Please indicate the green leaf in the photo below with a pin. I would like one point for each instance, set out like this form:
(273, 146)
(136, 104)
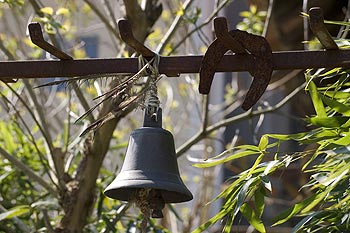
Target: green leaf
(6, 135)
(285, 137)
(211, 221)
(305, 220)
(316, 100)
(259, 201)
(329, 122)
(210, 163)
(266, 182)
(337, 106)
(245, 14)
(252, 218)
(14, 212)
(344, 141)
(270, 166)
(290, 212)
(47, 10)
(243, 193)
(264, 141)
(229, 223)
(62, 11)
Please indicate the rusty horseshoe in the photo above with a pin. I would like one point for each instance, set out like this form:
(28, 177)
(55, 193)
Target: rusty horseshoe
(238, 42)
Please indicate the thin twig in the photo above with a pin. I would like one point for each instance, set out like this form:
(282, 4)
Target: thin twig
(207, 21)
(268, 17)
(103, 19)
(169, 34)
(243, 116)
(29, 136)
(41, 129)
(306, 24)
(28, 171)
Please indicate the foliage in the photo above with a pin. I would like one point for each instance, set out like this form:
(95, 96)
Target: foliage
(326, 208)
(44, 157)
(44, 187)
(253, 20)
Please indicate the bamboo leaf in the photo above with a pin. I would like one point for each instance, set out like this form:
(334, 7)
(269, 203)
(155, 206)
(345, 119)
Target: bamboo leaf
(316, 100)
(329, 122)
(229, 158)
(259, 201)
(266, 182)
(14, 212)
(264, 141)
(211, 221)
(289, 213)
(252, 218)
(305, 220)
(344, 141)
(47, 10)
(336, 105)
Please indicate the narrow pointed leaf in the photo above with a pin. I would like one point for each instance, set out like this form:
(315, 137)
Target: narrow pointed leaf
(15, 212)
(252, 218)
(316, 100)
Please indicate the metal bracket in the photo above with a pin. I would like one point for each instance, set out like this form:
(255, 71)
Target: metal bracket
(239, 42)
(127, 36)
(318, 28)
(36, 36)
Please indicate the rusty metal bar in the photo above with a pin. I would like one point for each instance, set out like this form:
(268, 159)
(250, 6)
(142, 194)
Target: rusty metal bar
(318, 28)
(171, 65)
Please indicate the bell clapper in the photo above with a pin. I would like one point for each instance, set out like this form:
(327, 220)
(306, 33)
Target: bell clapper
(150, 203)
(141, 201)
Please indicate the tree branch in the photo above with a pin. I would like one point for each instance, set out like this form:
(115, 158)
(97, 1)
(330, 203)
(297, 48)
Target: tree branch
(169, 34)
(243, 116)
(207, 21)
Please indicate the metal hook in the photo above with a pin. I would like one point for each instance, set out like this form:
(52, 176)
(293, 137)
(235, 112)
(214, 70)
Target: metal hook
(238, 42)
(36, 36)
(221, 32)
(318, 28)
(127, 36)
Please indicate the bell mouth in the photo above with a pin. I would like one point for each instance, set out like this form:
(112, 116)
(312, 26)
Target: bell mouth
(127, 183)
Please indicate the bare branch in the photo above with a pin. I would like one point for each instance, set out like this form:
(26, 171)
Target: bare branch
(169, 34)
(207, 21)
(243, 116)
(268, 17)
(101, 16)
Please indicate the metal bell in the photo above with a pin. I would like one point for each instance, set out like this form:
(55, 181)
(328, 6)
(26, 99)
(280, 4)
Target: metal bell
(150, 163)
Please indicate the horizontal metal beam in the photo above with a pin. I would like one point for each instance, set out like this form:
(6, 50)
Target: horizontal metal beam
(171, 66)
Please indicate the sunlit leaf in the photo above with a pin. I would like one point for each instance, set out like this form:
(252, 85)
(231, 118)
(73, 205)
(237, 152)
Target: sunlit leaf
(289, 213)
(229, 158)
(62, 11)
(264, 141)
(47, 10)
(259, 202)
(336, 105)
(329, 122)
(15, 212)
(266, 182)
(252, 218)
(305, 220)
(316, 100)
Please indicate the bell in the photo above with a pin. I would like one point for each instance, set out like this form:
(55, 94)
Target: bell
(150, 164)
